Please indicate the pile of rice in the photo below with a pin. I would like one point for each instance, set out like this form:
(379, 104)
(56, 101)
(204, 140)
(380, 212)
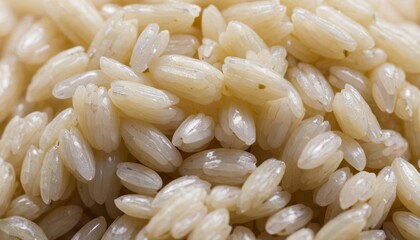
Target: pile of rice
(210, 119)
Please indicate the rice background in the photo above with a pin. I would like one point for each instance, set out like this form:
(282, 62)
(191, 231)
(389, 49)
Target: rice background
(210, 119)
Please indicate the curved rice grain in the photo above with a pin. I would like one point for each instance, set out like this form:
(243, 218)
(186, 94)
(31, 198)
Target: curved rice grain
(241, 233)
(289, 219)
(353, 152)
(182, 44)
(135, 205)
(190, 78)
(124, 227)
(354, 115)
(223, 196)
(63, 120)
(78, 30)
(278, 200)
(358, 188)
(149, 46)
(151, 147)
(8, 19)
(407, 223)
(239, 38)
(76, 154)
(226, 166)
(93, 230)
(56, 69)
(61, 220)
(318, 150)
(212, 23)
(214, 226)
(296, 48)
(195, 133)
(358, 10)
(383, 197)
(106, 182)
(7, 186)
(387, 81)
(302, 234)
(236, 128)
(115, 70)
(12, 82)
(174, 17)
(27, 206)
(30, 173)
(391, 231)
(54, 176)
(349, 223)
(329, 192)
(372, 235)
(115, 39)
(144, 102)
(40, 42)
(95, 111)
(320, 36)
(340, 76)
(22, 228)
(354, 29)
(407, 100)
(408, 179)
(138, 178)
(401, 48)
(211, 52)
(261, 184)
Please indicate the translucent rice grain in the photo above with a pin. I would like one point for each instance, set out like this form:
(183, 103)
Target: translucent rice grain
(354, 29)
(108, 9)
(359, 187)
(353, 152)
(383, 197)
(22, 228)
(321, 36)
(31, 171)
(302, 234)
(359, 10)
(95, 111)
(150, 45)
(194, 134)
(138, 178)
(327, 193)
(135, 205)
(12, 81)
(278, 200)
(83, 191)
(264, 17)
(212, 23)
(115, 39)
(93, 230)
(223, 196)
(210, 51)
(190, 78)
(236, 128)
(340, 76)
(318, 150)
(7, 186)
(79, 30)
(64, 120)
(40, 42)
(8, 19)
(349, 223)
(239, 38)
(20, 29)
(391, 231)
(106, 184)
(56, 69)
(254, 83)
(355, 116)
(60, 220)
(182, 44)
(401, 48)
(407, 223)
(289, 220)
(144, 102)
(27, 206)
(54, 176)
(261, 184)
(242, 233)
(214, 226)
(408, 179)
(115, 70)
(296, 48)
(225, 166)
(406, 101)
(151, 147)
(373, 235)
(124, 227)
(174, 17)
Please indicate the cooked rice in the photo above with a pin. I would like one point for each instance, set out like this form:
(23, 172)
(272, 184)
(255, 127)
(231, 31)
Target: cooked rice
(209, 119)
